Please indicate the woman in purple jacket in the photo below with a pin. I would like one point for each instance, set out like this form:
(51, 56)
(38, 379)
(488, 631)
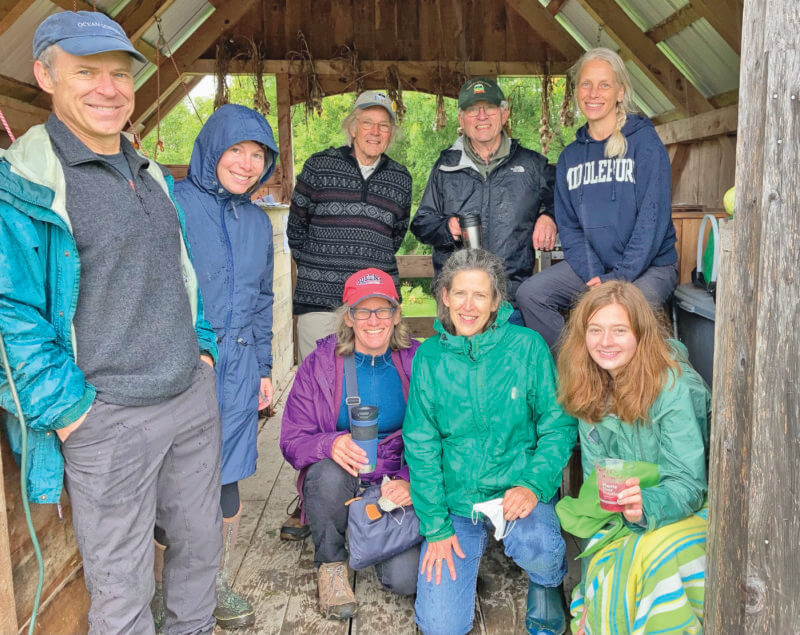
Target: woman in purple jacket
(315, 437)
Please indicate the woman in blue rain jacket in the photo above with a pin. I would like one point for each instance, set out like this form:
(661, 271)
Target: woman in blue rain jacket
(231, 244)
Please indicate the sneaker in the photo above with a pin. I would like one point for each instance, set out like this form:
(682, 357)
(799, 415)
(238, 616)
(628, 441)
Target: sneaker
(292, 529)
(336, 597)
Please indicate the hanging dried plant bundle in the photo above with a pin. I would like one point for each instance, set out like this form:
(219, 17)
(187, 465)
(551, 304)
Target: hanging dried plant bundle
(309, 80)
(567, 113)
(546, 133)
(260, 101)
(440, 118)
(224, 55)
(394, 91)
(514, 100)
(348, 53)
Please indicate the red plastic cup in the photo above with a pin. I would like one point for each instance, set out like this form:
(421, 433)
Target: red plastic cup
(611, 477)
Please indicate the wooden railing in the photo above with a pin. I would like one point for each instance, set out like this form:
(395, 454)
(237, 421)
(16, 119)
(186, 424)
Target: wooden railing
(417, 267)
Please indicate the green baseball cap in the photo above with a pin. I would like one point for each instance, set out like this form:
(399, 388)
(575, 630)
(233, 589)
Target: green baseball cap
(479, 89)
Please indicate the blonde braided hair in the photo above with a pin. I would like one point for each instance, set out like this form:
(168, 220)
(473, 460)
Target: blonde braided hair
(617, 144)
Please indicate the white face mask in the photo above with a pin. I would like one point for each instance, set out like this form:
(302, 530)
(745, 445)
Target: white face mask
(493, 510)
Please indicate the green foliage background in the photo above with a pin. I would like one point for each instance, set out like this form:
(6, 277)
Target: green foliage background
(417, 145)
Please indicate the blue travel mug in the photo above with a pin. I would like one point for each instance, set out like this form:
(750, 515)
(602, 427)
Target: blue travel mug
(364, 430)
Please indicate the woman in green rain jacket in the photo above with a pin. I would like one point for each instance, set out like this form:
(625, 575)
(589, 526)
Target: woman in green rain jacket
(483, 427)
(637, 398)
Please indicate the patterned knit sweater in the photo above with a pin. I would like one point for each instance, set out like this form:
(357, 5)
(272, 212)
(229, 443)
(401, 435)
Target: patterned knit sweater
(340, 223)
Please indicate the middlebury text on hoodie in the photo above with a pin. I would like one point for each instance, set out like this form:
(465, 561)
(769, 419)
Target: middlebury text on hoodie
(614, 216)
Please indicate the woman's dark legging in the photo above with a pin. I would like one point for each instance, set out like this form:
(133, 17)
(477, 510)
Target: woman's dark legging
(229, 499)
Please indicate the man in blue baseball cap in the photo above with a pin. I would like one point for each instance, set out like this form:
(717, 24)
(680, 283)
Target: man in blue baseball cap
(103, 322)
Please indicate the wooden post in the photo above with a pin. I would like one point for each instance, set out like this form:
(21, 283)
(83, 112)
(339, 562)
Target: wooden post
(8, 611)
(285, 134)
(754, 563)
(287, 164)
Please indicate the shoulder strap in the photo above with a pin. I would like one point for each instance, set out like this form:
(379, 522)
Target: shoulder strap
(351, 382)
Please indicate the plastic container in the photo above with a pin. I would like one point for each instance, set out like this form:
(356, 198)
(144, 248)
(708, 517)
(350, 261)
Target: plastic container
(695, 314)
(611, 477)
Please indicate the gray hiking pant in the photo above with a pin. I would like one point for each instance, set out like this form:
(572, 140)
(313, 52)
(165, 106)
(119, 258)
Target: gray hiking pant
(128, 467)
(542, 295)
(325, 490)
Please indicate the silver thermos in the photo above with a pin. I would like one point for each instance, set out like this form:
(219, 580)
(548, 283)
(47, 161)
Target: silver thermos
(471, 230)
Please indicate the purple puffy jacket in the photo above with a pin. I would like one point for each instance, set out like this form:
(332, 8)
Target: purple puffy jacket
(308, 426)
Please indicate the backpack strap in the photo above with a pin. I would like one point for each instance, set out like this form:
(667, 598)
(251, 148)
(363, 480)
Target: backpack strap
(351, 382)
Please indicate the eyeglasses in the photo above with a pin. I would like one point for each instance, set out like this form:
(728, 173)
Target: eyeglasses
(488, 110)
(367, 125)
(384, 313)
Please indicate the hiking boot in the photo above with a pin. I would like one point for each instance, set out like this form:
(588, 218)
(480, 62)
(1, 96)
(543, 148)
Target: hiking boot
(545, 614)
(292, 529)
(158, 608)
(336, 597)
(232, 610)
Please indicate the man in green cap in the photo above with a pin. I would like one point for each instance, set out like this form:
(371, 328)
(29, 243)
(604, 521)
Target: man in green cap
(488, 174)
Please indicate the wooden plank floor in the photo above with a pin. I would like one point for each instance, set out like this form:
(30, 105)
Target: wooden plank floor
(280, 580)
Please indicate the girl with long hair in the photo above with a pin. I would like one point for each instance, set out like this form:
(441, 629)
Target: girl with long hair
(612, 202)
(636, 398)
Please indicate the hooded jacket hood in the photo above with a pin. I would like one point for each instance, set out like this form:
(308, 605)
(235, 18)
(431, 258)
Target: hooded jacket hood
(228, 125)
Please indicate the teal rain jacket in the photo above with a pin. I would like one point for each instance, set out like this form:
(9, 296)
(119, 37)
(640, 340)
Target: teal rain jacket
(675, 438)
(482, 418)
(39, 280)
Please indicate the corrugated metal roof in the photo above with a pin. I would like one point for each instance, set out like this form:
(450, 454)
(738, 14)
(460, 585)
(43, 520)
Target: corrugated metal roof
(647, 13)
(698, 51)
(178, 23)
(704, 57)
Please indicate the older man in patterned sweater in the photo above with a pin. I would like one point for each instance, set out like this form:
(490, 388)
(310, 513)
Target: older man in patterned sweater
(350, 211)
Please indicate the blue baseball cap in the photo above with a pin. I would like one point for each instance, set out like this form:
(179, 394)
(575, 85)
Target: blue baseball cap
(82, 33)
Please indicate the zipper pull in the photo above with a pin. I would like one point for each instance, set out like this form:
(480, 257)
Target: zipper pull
(60, 514)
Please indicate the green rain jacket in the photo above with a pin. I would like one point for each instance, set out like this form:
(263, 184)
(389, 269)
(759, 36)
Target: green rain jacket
(482, 418)
(675, 439)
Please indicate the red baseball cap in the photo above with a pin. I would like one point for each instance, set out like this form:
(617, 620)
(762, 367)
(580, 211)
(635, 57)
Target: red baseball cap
(369, 283)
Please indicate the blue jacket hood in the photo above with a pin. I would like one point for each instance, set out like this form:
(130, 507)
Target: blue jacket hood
(228, 125)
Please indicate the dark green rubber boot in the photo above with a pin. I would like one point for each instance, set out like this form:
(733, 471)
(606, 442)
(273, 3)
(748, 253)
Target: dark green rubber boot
(545, 615)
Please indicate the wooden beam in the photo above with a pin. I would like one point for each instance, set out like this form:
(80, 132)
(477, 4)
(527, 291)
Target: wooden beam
(637, 47)
(140, 15)
(68, 5)
(546, 27)
(673, 24)
(168, 102)
(10, 11)
(8, 612)
(725, 99)
(285, 135)
(224, 18)
(412, 69)
(709, 124)
(753, 575)
(677, 160)
(22, 115)
(415, 266)
(16, 89)
(726, 18)
(555, 6)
